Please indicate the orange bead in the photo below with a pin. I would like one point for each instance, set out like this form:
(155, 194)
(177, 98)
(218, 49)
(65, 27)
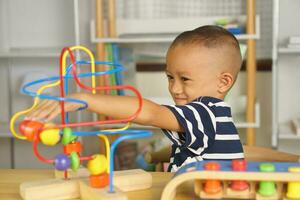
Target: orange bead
(213, 166)
(72, 147)
(99, 181)
(212, 186)
(30, 129)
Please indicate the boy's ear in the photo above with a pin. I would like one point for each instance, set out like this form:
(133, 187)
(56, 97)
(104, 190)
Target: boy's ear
(226, 80)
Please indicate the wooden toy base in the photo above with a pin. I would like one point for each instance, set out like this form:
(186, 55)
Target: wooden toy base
(89, 193)
(78, 187)
(50, 189)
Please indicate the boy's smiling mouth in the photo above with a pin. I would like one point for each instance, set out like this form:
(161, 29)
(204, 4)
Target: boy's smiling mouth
(180, 100)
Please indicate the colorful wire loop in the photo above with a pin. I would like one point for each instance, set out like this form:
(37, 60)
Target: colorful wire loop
(70, 73)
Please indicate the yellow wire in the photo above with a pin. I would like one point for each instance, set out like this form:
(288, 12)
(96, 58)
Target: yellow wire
(106, 142)
(107, 145)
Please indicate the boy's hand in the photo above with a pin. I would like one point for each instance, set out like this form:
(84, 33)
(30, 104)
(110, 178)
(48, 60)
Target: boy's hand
(47, 110)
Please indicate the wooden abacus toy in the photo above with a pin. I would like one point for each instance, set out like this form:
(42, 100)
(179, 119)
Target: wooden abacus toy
(99, 181)
(239, 179)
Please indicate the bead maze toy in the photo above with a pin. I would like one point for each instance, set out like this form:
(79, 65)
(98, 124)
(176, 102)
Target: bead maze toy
(99, 181)
(238, 179)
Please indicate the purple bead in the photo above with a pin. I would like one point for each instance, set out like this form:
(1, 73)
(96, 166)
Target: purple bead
(62, 162)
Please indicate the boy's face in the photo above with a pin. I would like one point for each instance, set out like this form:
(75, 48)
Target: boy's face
(192, 72)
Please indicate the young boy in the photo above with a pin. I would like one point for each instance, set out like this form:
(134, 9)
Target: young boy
(202, 65)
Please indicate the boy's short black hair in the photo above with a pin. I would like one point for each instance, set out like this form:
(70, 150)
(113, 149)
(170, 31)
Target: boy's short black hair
(210, 36)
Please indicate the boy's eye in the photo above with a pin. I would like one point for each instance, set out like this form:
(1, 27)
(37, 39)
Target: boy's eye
(185, 79)
(169, 77)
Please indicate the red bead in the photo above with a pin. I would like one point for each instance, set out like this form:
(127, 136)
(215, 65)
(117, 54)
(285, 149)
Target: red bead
(239, 185)
(23, 126)
(239, 165)
(30, 129)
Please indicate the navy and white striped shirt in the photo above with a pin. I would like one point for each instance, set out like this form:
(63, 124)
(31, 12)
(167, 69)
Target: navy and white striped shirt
(209, 133)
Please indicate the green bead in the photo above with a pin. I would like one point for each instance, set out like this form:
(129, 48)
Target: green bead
(75, 161)
(68, 136)
(267, 167)
(267, 188)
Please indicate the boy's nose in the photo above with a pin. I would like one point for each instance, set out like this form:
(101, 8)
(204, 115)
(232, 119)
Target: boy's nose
(176, 88)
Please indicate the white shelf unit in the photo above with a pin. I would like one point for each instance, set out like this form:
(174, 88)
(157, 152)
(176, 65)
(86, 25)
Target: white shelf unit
(163, 30)
(21, 41)
(20, 36)
(286, 71)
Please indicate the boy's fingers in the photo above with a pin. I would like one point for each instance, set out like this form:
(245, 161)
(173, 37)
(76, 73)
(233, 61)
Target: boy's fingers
(53, 114)
(33, 112)
(41, 110)
(45, 110)
(69, 107)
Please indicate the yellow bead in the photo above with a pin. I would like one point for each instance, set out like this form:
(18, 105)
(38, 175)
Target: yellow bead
(97, 165)
(51, 136)
(293, 188)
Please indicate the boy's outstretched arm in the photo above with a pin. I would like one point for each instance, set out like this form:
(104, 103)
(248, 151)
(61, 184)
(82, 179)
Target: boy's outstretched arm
(117, 107)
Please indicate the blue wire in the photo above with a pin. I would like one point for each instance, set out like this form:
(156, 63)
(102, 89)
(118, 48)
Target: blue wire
(119, 77)
(43, 96)
(66, 89)
(141, 134)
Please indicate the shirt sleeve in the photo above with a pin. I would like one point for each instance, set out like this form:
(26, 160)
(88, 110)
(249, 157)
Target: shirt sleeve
(198, 123)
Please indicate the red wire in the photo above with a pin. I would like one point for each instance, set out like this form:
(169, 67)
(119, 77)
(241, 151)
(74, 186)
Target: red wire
(86, 158)
(37, 154)
(62, 93)
(66, 174)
